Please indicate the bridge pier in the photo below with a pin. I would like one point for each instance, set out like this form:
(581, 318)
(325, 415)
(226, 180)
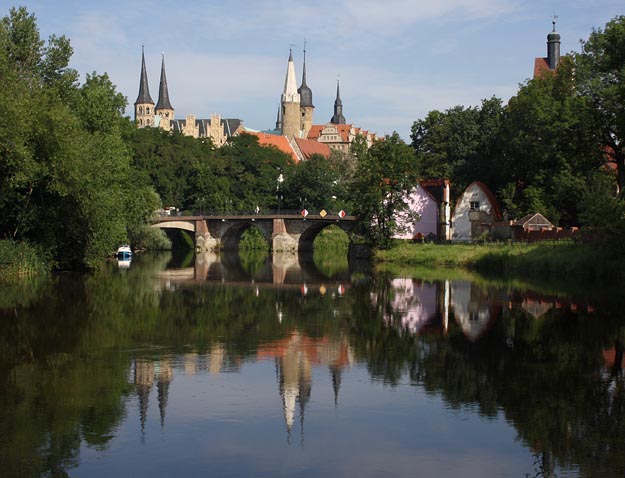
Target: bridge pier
(203, 240)
(281, 240)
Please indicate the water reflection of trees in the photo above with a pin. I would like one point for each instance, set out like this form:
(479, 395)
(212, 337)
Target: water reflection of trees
(547, 376)
(535, 359)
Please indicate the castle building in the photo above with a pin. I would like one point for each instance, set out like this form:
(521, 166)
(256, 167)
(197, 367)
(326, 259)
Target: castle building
(294, 120)
(551, 62)
(161, 115)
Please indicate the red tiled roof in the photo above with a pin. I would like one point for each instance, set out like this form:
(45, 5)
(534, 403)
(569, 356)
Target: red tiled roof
(279, 142)
(540, 67)
(309, 147)
(315, 131)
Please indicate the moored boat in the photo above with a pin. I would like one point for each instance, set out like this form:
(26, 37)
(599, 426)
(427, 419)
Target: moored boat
(124, 253)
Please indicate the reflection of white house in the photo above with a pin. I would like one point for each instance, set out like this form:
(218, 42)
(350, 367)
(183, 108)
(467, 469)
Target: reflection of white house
(473, 309)
(429, 201)
(414, 306)
(475, 214)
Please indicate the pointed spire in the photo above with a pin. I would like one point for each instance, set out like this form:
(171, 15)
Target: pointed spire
(279, 119)
(144, 90)
(304, 91)
(163, 92)
(338, 117)
(290, 86)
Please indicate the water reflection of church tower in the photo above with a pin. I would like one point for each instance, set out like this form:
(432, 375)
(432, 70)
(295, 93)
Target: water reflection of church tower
(294, 371)
(164, 376)
(143, 379)
(145, 373)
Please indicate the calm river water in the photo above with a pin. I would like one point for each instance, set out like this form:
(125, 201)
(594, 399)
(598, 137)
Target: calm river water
(216, 366)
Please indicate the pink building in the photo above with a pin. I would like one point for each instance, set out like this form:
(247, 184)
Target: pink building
(429, 212)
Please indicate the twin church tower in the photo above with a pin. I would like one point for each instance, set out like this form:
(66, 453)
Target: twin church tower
(295, 115)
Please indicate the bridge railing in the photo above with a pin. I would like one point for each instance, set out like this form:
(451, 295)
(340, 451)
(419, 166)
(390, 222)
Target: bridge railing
(262, 212)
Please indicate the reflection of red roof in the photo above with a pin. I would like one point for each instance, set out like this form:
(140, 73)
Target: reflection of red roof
(280, 142)
(309, 147)
(609, 357)
(312, 348)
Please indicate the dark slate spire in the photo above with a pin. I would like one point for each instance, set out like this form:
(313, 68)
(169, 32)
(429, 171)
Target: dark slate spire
(279, 119)
(553, 47)
(144, 90)
(338, 117)
(163, 92)
(304, 91)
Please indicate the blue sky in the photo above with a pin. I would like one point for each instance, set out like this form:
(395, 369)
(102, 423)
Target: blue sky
(396, 59)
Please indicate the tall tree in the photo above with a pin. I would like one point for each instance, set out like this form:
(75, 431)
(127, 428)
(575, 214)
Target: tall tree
(460, 144)
(550, 146)
(384, 175)
(600, 76)
(64, 170)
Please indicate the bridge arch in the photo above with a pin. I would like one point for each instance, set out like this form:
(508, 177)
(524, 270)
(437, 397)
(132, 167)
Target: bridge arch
(231, 235)
(184, 225)
(308, 236)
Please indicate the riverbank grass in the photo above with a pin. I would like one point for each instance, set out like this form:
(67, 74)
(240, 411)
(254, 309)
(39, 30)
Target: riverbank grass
(572, 260)
(21, 259)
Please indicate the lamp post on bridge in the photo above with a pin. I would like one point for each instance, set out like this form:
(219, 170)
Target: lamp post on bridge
(280, 180)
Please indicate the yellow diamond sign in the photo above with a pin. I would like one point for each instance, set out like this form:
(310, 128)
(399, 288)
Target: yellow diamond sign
(323, 213)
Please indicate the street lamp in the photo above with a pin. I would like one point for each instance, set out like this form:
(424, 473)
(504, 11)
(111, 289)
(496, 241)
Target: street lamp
(278, 193)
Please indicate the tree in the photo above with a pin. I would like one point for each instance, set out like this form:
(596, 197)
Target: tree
(550, 146)
(600, 77)
(314, 184)
(65, 176)
(460, 144)
(384, 175)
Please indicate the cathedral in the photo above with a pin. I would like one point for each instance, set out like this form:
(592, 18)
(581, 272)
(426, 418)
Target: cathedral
(294, 122)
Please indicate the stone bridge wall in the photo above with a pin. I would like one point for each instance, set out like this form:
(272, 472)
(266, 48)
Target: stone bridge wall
(284, 234)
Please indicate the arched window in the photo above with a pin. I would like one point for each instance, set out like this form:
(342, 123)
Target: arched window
(147, 110)
(140, 110)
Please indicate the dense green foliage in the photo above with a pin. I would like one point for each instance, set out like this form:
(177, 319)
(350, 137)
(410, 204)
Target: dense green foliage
(65, 176)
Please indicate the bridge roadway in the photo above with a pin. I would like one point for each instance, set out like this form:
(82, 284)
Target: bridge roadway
(283, 232)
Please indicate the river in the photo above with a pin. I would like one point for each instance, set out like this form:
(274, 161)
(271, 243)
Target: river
(222, 366)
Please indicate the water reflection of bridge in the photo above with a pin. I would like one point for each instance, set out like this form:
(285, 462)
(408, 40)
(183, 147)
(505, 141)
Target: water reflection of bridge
(284, 270)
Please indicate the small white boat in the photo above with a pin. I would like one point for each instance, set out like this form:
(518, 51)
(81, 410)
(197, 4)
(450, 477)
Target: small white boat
(124, 253)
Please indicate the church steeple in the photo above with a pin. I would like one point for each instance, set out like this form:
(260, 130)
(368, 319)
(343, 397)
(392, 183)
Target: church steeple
(144, 106)
(338, 117)
(553, 46)
(290, 102)
(279, 119)
(144, 89)
(304, 91)
(306, 102)
(163, 92)
(164, 108)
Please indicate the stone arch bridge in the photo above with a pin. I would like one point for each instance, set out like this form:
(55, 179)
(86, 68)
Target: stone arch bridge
(283, 232)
